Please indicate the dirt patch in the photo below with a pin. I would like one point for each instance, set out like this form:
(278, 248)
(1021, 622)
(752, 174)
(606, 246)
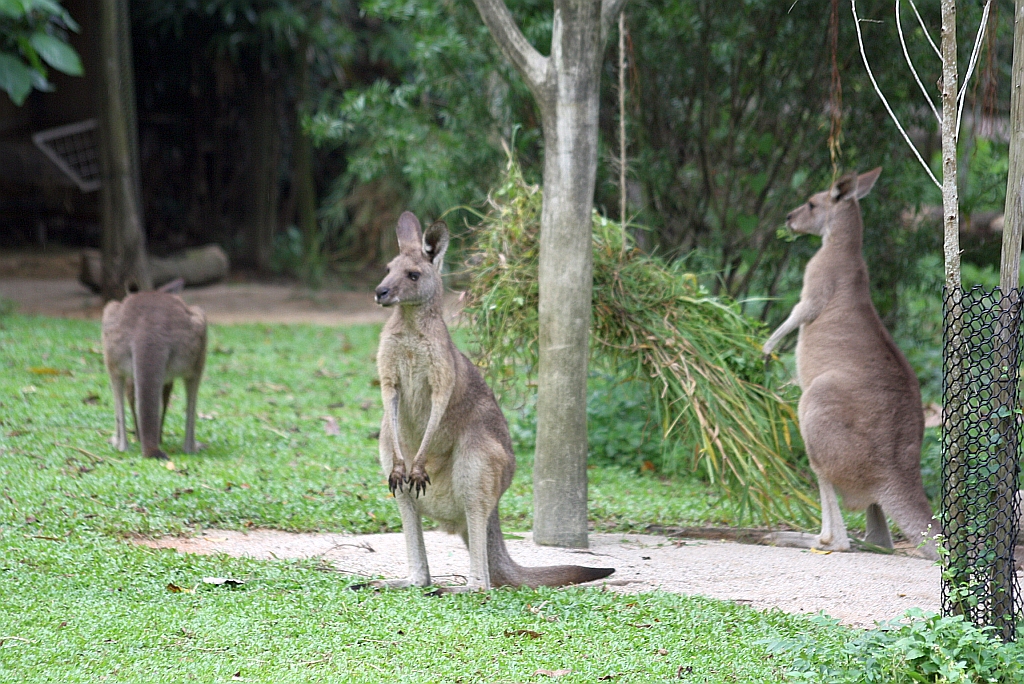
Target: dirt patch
(857, 588)
(224, 303)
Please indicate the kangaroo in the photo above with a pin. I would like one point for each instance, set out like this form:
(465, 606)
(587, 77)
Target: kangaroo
(860, 412)
(149, 339)
(444, 442)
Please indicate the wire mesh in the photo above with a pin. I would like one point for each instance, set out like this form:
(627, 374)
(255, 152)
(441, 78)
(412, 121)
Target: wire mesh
(980, 457)
(75, 150)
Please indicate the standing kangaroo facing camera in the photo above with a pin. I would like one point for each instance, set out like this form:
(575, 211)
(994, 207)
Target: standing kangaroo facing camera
(149, 339)
(860, 411)
(444, 443)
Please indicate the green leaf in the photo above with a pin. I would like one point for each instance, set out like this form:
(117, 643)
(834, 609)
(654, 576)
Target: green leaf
(57, 53)
(15, 78)
(12, 8)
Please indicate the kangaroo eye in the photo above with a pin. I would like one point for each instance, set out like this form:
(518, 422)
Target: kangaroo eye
(414, 276)
(811, 205)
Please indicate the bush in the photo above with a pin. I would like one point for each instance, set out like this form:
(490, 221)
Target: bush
(924, 648)
(697, 356)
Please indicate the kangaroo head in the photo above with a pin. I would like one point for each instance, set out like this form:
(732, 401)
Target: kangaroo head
(414, 276)
(816, 215)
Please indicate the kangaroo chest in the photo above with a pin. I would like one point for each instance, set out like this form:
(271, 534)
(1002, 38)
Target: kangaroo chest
(414, 362)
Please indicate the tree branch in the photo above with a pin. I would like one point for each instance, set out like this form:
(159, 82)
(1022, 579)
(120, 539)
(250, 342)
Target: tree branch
(609, 13)
(530, 64)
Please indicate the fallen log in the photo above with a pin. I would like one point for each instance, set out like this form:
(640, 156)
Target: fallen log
(197, 266)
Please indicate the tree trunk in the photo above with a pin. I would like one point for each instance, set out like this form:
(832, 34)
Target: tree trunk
(1013, 213)
(950, 195)
(123, 241)
(265, 186)
(304, 186)
(565, 277)
(566, 87)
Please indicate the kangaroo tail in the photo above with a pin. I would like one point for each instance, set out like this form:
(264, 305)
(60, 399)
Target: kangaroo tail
(912, 513)
(506, 572)
(149, 365)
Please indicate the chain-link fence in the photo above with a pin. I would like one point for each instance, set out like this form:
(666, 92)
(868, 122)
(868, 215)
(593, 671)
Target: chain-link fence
(980, 457)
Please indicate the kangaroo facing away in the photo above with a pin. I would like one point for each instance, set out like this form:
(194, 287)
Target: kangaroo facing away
(444, 442)
(860, 410)
(149, 339)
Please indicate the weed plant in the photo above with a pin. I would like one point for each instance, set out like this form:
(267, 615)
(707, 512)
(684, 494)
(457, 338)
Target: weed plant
(652, 322)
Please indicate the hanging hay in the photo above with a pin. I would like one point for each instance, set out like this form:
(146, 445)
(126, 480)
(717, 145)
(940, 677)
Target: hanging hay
(652, 322)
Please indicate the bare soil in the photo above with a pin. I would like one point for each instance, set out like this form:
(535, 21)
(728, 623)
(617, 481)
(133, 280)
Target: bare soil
(856, 588)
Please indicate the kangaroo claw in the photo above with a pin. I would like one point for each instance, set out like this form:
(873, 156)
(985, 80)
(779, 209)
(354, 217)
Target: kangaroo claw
(418, 482)
(396, 480)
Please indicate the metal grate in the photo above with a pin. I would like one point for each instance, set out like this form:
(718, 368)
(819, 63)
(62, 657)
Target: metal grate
(980, 457)
(75, 150)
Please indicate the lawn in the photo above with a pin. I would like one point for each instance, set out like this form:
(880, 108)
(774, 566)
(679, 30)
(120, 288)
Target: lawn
(81, 603)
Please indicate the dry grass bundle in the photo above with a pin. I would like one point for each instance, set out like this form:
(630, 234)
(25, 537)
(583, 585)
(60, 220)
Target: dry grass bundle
(698, 354)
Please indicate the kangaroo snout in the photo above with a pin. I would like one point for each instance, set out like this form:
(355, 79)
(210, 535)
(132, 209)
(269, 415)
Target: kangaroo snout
(382, 295)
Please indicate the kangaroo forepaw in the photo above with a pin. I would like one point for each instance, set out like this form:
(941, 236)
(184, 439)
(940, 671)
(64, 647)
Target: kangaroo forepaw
(418, 482)
(396, 480)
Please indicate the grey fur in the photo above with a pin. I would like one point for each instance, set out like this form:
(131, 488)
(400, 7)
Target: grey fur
(149, 339)
(860, 412)
(444, 442)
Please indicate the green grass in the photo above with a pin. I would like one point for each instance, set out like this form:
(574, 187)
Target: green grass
(85, 603)
(268, 461)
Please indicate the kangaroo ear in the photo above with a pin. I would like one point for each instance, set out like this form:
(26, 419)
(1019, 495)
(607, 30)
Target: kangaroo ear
(866, 181)
(435, 243)
(408, 232)
(845, 188)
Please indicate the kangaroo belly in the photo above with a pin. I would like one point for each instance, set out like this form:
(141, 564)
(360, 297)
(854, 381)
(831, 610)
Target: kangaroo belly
(440, 502)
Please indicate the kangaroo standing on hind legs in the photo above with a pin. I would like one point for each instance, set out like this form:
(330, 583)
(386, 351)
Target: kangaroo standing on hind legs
(860, 411)
(149, 339)
(444, 443)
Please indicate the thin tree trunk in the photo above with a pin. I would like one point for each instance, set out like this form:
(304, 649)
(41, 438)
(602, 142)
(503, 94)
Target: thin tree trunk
(566, 87)
(1005, 529)
(123, 240)
(1009, 268)
(302, 173)
(265, 186)
(950, 196)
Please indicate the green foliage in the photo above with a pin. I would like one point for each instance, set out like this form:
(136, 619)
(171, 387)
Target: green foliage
(434, 121)
(34, 36)
(923, 648)
(652, 322)
(620, 429)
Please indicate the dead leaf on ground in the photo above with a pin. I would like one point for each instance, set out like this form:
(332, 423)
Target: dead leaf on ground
(336, 405)
(237, 677)
(553, 673)
(523, 632)
(169, 465)
(366, 405)
(331, 426)
(820, 552)
(223, 581)
(609, 677)
(212, 415)
(175, 589)
(91, 399)
(47, 370)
